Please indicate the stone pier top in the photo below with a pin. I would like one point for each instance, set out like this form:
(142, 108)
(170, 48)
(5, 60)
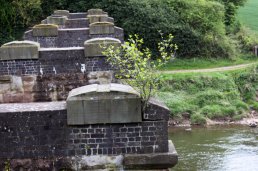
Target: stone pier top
(32, 107)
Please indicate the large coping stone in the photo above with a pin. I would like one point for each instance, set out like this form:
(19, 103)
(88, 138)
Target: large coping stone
(56, 19)
(19, 50)
(97, 18)
(45, 30)
(62, 12)
(95, 12)
(94, 47)
(152, 160)
(102, 28)
(106, 103)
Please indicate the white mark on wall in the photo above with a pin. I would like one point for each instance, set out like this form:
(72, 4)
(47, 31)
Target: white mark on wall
(83, 68)
(54, 69)
(41, 71)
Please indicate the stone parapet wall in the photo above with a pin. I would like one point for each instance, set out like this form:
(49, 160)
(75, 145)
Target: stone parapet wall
(77, 23)
(40, 130)
(71, 37)
(77, 15)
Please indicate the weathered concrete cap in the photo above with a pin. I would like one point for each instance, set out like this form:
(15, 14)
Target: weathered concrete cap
(96, 12)
(109, 103)
(94, 47)
(19, 50)
(45, 30)
(110, 19)
(62, 12)
(98, 18)
(56, 19)
(102, 28)
(44, 21)
(100, 88)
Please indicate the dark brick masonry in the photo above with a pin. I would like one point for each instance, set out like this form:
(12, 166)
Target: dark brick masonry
(71, 37)
(44, 133)
(55, 62)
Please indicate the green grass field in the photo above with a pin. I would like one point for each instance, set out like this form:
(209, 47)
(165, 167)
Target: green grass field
(248, 15)
(202, 63)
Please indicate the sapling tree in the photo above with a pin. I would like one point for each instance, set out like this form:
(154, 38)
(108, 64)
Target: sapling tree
(135, 66)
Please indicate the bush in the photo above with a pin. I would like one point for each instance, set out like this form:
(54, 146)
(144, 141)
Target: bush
(15, 16)
(247, 39)
(211, 95)
(238, 117)
(198, 119)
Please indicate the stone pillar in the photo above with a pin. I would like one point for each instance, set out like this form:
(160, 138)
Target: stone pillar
(97, 18)
(45, 30)
(96, 12)
(94, 47)
(19, 50)
(102, 28)
(56, 19)
(62, 12)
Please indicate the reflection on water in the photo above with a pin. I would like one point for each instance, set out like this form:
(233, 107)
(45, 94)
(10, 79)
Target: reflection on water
(216, 149)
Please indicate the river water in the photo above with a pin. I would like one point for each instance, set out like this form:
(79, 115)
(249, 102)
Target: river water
(216, 149)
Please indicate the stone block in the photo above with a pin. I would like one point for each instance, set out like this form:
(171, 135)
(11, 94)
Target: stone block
(45, 30)
(111, 20)
(17, 84)
(94, 47)
(102, 28)
(5, 79)
(28, 86)
(19, 50)
(29, 78)
(5, 87)
(96, 12)
(13, 97)
(27, 97)
(1, 98)
(97, 18)
(109, 103)
(58, 20)
(44, 21)
(100, 77)
(62, 12)
(152, 160)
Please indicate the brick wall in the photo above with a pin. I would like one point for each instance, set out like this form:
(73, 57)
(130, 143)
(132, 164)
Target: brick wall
(41, 131)
(55, 62)
(71, 37)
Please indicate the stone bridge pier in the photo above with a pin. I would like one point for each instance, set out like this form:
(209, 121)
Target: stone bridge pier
(62, 109)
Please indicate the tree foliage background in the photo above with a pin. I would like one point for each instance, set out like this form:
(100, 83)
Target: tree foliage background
(201, 27)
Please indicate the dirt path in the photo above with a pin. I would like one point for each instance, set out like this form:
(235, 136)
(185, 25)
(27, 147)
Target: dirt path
(228, 68)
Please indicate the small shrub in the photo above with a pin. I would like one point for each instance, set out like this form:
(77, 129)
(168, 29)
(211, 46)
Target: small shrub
(247, 39)
(229, 111)
(238, 117)
(241, 105)
(198, 119)
(208, 97)
(254, 105)
(218, 111)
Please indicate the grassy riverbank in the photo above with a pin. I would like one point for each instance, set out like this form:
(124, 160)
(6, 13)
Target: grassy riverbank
(219, 95)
